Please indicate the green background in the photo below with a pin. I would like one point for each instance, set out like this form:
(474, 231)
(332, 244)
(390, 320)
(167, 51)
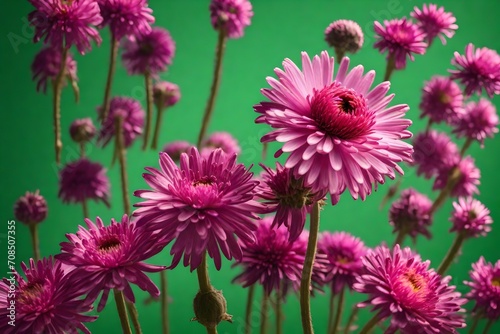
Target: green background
(280, 29)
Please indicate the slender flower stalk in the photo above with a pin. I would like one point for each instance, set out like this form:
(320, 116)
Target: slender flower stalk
(351, 319)
(120, 149)
(85, 209)
(165, 95)
(205, 285)
(454, 176)
(134, 315)
(122, 313)
(452, 253)
(475, 322)
(338, 312)
(248, 311)
(466, 146)
(331, 312)
(57, 90)
(390, 67)
(109, 81)
(148, 81)
(488, 326)
(264, 313)
(279, 314)
(35, 241)
(370, 324)
(164, 302)
(159, 113)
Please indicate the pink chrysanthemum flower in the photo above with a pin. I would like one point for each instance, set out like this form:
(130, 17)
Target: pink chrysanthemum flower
(343, 252)
(435, 22)
(401, 38)
(345, 36)
(467, 181)
(479, 121)
(126, 17)
(31, 208)
(176, 148)
(149, 52)
(477, 70)
(203, 205)
(272, 260)
(66, 23)
(410, 213)
(82, 130)
(485, 288)
(222, 140)
(111, 257)
(231, 15)
(46, 67)
(288, 197)
(166, 94)
(83, 180)
(470, 217)
(48, 301)
(133, 120)
(339, 133)
(401, 286)
(434, 151)
(442, 100)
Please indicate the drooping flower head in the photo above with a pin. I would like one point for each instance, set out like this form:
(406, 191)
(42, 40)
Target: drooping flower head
(485, 288)
(166, 94)
(64, 23)
(288, 197)
(126, 17)
(148, 52)
(442, 100)
(470, 217)
(410, 213)
(401, 38)
(465, 177)
(49, 300)
(133, 120)
(343, 252)
(31, 208)
(203, 205)
(339, 133)
(345, 36)
(111, 257)
(401, 286)
(231, 16)
(477, 70)
(46, 67)
(176, 148)
(82, 130)
(222, 140)
(83, 180)
(479, 121)
(435, 22)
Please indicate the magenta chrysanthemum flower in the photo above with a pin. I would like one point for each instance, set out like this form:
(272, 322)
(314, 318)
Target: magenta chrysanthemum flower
(46, 67)
(83, 180)
(442, 100)
(343, 252)
(468, 176)
(232, 16)
(176, 148)
(31, 208)
(435, 22)
(410, 213)
(477, 70)
(133, 120)
(111, 257)
(344, 36)
(126, 17)
(222, 140)
(339, 133)
(288, 197)
(479, 121)
(48, 301)
(272, 260)
(149, 52)
(63, 24)
(485, 288)
(434, 151)
(470, 217)
(82, 130)
(401, 286)
(201, 206)
(401, 38)
(166, 94)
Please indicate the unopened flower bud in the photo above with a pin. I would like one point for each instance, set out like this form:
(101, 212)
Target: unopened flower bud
(210, 308)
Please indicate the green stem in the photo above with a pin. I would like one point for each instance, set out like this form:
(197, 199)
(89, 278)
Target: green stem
(122, 312)
(453, 178)
(338, 312)
(156, 135)
(164, 302)
(35, 241)
(354, 312)
(263, 313)
(85, 209)
(57, 89)
(134, 315)
(82, 149)
(279, 315)
(148, 81)
(401, 236)
(488, 326)
(205, 285)
(370, 324)
(465, 147)
(120, 149)
(109, 80)
(331, 312)
(251, 291)
(452, 253)
(474, 324)
(391, 65)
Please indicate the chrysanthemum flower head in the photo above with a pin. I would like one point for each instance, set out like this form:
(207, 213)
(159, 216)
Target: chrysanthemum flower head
(83, 180)
(49, 300)
(133, 120)
(345, 36)
(339, 133)
(176, 148)
(470, 217)
(401, 38)
(63, 24)
(111, 257)
(82, 130)
(477, 70)
(31, 208)
(401, 286)
(222, 140)
(485, 288)
(126, 17)
(465, 176)
(148, 52)
(47, 64)
(435, 22)
(479, 121)
(231, 16)
(410, 213)
(166, 94)
(203, 205)
(442, 100)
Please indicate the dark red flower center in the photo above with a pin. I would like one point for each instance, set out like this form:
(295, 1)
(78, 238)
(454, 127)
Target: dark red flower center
(444, 98)
(495, 281)
(109, 243)
(31, 292)
(146, 48)
(413, 281)
(204, 181)
(341, 112)
(472, 215)
(343, 259)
